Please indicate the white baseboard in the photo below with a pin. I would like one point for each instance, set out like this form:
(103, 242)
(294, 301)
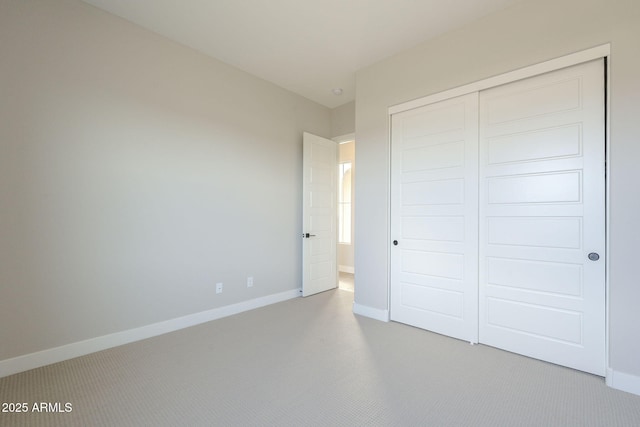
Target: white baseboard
(81, 348)
(622, 381)
(374, 313)
(346, 269)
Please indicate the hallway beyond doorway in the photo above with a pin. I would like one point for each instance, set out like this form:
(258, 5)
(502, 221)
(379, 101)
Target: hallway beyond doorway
(346, 282)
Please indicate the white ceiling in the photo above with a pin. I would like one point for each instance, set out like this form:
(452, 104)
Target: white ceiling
(306, 46)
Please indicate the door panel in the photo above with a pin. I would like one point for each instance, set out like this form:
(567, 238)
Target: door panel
(434, 217)
(541, 214)
(319, 213)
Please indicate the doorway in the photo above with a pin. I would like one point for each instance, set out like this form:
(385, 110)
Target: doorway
(346, 197)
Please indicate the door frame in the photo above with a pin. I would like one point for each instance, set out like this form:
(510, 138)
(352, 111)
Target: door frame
(598, 52)
(348, 137)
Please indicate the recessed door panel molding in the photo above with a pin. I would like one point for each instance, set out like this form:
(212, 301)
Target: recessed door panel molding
(322, 155)
(539, 293)
(439, 192)
(445, 265)
(537, 232)
(322, 199)
(320, 223)
(548, 187)
(433, 228)
(545, 277)
(446, 118)
(434, 265)
(434, 301)
(538, 321)
(320, 270)
(536, 145)
(533, 101)
(440, 156)
(321, 175)
(320, 247)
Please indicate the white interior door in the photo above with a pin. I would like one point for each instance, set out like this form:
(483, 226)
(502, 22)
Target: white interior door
(542, 207)
(434, 217)
(319, 215)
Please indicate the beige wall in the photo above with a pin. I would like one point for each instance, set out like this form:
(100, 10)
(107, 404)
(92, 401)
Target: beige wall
(529, 32)
(343, 119)
(135, 174)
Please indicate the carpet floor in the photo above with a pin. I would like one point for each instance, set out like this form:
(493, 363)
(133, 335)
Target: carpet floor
(311, 362)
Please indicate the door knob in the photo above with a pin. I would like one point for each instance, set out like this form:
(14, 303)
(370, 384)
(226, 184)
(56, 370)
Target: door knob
(395, 243)
(307, 235)
(594, 256)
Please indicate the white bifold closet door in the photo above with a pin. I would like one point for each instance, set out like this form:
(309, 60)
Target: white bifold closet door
(497, 208)
(542, 213)
(434, 204)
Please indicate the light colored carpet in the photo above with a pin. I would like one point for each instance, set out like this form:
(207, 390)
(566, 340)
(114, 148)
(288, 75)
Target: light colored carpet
(312, 362)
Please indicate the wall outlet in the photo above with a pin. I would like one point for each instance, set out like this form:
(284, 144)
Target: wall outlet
(249, 282)
(219, 288)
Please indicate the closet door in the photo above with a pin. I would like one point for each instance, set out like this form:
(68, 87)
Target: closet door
(542, 207)
(434, 217)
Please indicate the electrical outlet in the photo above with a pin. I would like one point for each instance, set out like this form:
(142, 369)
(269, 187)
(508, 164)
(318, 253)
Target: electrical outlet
(219, 288)
(249, 282)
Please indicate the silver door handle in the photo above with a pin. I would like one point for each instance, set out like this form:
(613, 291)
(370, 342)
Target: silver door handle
(307, 235)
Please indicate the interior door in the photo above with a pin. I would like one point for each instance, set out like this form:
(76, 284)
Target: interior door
(319, 215)
(542, 224)
(434, 217)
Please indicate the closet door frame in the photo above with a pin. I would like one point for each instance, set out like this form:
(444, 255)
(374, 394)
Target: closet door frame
(598, 52)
